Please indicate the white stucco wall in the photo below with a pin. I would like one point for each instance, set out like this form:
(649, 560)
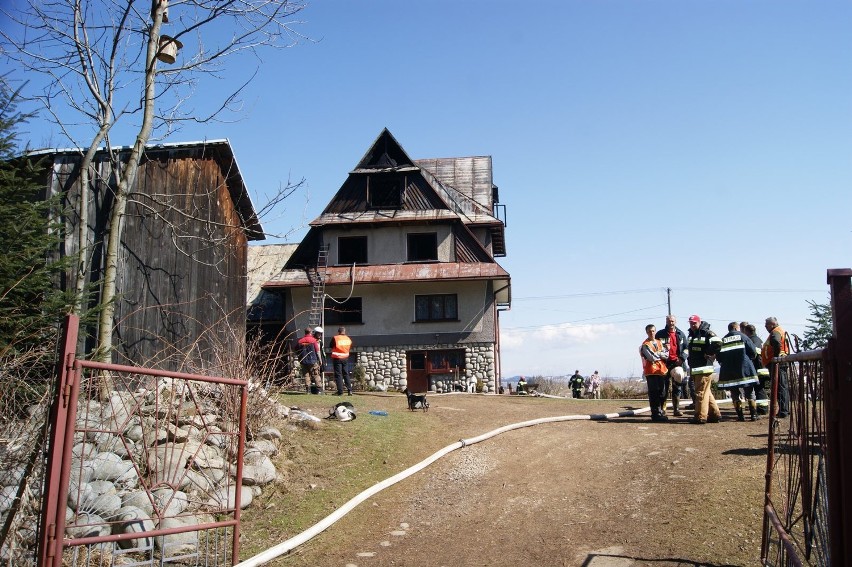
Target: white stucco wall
(388, 309)
(389, 245)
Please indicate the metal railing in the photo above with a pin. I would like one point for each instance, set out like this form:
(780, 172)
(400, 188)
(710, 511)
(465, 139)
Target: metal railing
(808, 506)
(138, 466)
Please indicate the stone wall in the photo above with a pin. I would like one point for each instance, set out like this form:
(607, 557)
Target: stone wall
(385, 367)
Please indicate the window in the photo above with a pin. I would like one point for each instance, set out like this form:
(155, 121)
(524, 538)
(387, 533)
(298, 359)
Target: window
(416, 360)
(345, 313)
(422, 246)
(442, 307)
(384, 192)
(352, 250)
(445, 360)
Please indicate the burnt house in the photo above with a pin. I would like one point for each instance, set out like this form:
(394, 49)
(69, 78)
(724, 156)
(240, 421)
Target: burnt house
(403, 256)
(181, 282)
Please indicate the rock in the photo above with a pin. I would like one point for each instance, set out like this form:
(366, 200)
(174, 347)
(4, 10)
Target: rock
(257, 468)
(138, 499)
(7, 497)
(109, 466)
(84, 450)
(100, 498)
(199, 482)
(131, 519)
(269, 433)
(181, 543)
(170, 502)
(224, 498)
(265, 446)
(87, 525)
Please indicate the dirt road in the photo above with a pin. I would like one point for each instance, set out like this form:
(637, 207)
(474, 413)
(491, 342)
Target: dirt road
(621, 492)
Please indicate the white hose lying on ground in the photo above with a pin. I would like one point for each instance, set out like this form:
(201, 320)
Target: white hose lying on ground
(328, 521)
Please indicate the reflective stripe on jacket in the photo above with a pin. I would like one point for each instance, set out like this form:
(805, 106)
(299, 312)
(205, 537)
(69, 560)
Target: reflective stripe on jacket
(342, 344)
(735, 358)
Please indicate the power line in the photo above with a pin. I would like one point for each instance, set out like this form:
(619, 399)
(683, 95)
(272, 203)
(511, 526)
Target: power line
(592, 319)
(665, 290)
(588, 294)
(750, 290)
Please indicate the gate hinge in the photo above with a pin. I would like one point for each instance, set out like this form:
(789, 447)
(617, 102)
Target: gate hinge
(51, 539)
(69, 378)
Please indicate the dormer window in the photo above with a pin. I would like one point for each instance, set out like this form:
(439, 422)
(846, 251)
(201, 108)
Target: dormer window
(384, 191)
(422, 246)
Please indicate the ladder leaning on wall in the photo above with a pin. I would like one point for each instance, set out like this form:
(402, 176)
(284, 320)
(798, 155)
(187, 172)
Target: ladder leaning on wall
(318, 277)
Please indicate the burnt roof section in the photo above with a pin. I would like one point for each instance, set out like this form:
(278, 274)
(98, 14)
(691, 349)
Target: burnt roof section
(417, 194)
(385, 154)
(421, 188)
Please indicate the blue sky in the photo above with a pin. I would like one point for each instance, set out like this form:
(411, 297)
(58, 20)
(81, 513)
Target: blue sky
(638, 145)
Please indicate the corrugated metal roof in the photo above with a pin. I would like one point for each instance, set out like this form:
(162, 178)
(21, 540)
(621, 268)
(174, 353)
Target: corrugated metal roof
(263, 263)
(384, 216)
(470, 175)
(393, 273)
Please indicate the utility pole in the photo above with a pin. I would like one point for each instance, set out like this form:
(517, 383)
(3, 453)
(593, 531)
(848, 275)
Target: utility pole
(669, 299)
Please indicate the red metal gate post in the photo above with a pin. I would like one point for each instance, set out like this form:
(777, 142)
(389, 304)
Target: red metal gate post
(52, 523)
(838, 400)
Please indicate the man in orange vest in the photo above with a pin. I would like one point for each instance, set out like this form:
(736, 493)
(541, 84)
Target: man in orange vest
(340, 346)
(655, 371)
(776, 346)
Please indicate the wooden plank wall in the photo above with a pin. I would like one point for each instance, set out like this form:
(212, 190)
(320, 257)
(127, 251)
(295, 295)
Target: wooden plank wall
(182, 279)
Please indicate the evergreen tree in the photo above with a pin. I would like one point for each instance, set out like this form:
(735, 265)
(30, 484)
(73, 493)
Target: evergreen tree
(820, 328)
(31, 300)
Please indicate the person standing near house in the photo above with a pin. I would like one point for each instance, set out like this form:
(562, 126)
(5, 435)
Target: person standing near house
(776, 346)
(674, 341)
(340, 345)
(654, 369)
(703, 344)
(761, 398)
(576, 382)
(309, 360)
(737, 373)
(596, 386)
(522, 386)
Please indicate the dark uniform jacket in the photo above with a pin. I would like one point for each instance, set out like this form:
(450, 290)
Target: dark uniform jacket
(702, 343)
(735, 358)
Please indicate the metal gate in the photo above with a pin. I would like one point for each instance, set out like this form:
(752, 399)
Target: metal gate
(144, 466)
(808, 508)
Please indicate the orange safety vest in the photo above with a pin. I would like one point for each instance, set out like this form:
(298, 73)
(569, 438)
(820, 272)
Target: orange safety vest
(342, 344)
(766, 353)
(657, 367)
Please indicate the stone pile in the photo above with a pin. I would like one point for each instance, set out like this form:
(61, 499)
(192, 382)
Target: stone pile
(181, 445)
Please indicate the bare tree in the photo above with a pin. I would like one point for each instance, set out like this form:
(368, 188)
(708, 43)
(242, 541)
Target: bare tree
(103, 64)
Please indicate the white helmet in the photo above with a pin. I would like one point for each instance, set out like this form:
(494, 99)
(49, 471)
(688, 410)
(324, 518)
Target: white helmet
(677, 374)
(318, 330)
(344, 413)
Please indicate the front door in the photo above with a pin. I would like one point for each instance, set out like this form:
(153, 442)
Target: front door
(418, 377)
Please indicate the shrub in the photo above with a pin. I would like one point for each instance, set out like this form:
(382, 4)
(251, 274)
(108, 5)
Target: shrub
(623, 390)
(550, 386)
(359, 378)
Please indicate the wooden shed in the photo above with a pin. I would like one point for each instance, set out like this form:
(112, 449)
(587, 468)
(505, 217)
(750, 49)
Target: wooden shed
(181, 285)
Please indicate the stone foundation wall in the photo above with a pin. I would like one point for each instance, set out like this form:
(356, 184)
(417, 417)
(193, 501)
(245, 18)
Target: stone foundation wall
(385, 368)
